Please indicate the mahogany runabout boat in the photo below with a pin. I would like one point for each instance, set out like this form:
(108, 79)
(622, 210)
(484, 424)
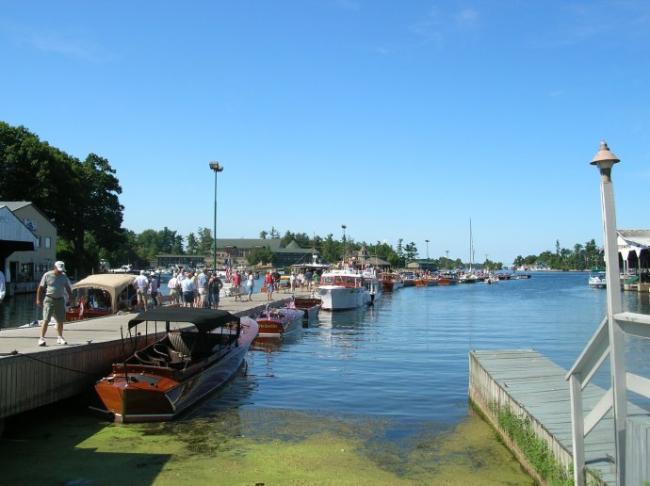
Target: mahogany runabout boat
(276, 323)
(309, 307)
(163, 379)
(391, 281)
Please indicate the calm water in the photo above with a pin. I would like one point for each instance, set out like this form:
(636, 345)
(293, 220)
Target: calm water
(389, 382)
(405, 360)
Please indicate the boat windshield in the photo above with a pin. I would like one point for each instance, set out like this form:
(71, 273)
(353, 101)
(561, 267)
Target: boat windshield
(341, 280)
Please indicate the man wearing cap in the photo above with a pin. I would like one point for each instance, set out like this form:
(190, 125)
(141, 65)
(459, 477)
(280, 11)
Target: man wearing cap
(53, 284)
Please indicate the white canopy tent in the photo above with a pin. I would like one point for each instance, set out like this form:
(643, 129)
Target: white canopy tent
(632, 242)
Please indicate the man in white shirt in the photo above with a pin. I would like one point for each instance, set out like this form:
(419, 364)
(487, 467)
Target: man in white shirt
(188, 288)
(202, 284)
(141, 284)
(173, 285)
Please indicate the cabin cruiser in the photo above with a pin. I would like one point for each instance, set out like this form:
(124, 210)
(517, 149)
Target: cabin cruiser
(348, 289)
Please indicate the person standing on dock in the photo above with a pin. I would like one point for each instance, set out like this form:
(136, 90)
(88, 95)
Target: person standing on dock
(250, 285)
(268, 283)
(236, 285)
(141, 284)
(188, 287)
(202, 285)
(214, 287)
(54, 284)
(173, 287)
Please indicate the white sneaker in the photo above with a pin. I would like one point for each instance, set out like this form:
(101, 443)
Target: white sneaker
(41, 341)
(60, 340)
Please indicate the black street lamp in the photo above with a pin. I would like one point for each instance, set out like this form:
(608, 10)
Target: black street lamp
(216, 167)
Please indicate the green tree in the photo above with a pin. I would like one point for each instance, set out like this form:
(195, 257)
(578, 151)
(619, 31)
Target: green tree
(80, 197)
(205, 241)
(192, 244)
(263, 234)
(410, 251)
(259, 255)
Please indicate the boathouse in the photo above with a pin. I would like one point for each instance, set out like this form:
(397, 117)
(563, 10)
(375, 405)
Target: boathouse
(634, 251)
(25, 261)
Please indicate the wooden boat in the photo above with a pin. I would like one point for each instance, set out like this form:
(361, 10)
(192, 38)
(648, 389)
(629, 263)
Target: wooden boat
(431, 281)
(165, 378)
(408, 279)
(309, 307)
(280, 322)
(447, 279)
(101, 294)
(391, 282)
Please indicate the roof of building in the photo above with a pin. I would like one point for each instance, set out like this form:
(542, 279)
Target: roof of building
(16, 205)
(13, 228)
(375, 261)
(272, 244)
(629, 241)
(13, 205)
(635, 237)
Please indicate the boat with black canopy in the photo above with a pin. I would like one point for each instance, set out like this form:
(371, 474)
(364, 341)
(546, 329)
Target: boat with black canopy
(202, 352)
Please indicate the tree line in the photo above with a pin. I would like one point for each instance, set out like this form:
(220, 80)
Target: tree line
(81, 198)
(580, 257)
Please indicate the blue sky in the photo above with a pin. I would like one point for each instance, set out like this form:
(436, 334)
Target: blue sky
(398, 119)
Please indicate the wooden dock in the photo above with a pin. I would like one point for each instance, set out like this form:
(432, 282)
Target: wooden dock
(33, 376)
(534, 387)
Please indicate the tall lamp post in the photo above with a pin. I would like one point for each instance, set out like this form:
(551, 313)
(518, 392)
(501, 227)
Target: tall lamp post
(427, 242)
(605, 160)
(216, 167)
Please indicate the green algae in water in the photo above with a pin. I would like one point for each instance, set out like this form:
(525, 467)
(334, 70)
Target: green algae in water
(249, 446)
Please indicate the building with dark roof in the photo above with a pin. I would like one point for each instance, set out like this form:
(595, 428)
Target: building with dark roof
(235, 250)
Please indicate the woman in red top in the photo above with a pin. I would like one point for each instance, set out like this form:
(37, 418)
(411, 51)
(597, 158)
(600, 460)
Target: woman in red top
(268, 283)
(236, 282)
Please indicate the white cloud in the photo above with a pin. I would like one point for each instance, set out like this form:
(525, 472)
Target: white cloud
(438, 24)
(53, 42)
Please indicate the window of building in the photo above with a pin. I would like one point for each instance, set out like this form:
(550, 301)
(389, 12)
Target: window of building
(26, 273)
(48, 242)
(38, 242)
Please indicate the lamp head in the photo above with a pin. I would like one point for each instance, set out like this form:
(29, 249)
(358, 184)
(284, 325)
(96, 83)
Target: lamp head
(604, 158)
(216, 166)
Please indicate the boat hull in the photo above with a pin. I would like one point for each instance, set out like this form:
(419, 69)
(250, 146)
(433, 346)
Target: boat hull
(148, 398)
(288, 324)
(140, 393)
(342, 298)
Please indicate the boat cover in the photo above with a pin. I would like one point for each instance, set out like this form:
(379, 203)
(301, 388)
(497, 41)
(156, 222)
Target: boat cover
(205, 320)
(113, 283)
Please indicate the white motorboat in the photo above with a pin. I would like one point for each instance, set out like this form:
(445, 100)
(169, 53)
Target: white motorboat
(598, 280)
(348, 289)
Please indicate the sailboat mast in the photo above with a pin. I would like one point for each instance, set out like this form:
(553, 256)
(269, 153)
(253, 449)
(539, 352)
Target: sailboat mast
(471, 246)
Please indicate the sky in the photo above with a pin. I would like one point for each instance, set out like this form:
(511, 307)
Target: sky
(397, 119)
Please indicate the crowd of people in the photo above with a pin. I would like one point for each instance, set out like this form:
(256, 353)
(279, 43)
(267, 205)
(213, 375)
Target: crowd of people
(188, 288)
(199, 288)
